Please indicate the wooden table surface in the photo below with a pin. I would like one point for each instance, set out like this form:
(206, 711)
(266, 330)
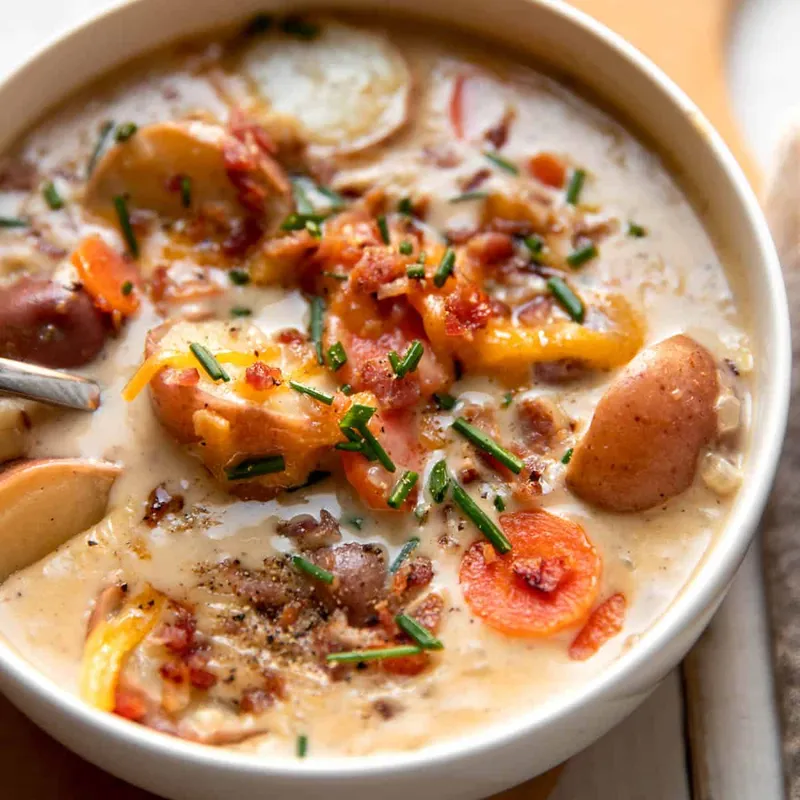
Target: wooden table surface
(734, 755)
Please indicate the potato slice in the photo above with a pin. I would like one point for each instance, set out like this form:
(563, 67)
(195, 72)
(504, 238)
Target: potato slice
(226, 423)
(349, 88)
(44, 502)
(648, 429)
(146, 167)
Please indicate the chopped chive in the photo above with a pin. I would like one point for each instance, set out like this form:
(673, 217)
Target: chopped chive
(404, 206)
(239, 277)
(383, 227)
(577, 258)
(394, 360)
(294, 25)
(314, 477)
(405, 248)
(337, 276)
(567, 457)
(336, 200)
(575, 186)
(445, 401)
(416, 271)
(445, 268)
(186, 191)
(241, 311)
(52, 197)
(405, 551)
(304, 565)
(125, 131)
(567, 299)
(377, 448)
(419, 633)
(356, 415)
(356, 522)
(482, 522)
(260, 23)
(301, 200)
(402, 489)
(337, 357)
(422, 257)
(209, 363)
(438, 481)
(298, 222)
(254, 467)
(410, 360)
(13, 222)
(121, 205)
(314, 229)
(346, 389)
(302, 746)
(349, 447)
(302, 388)
(508, 398)
(488, 445)
(316, 325)
(126, 288)
(356, 656)
(636, 231)
(534, 243)
(499, 503)
(105, 130)
(501, 162)
(465, 197)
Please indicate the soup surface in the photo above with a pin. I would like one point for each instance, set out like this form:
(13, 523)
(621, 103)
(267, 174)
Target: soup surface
(423, 389)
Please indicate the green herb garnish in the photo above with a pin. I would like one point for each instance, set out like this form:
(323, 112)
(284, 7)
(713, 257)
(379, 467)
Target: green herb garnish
(508, 398)
(356, 415)
(405, 248)
(298, 222)
(349, 447)
(357, 656)
(121, 206)
(438, 481)
(126, 288)
(337, 357)
(255, 467)
(346, 389)
(567, 299)
(488, 445)
(260, 23)
(445, 401)
(125, 131)
(301, 200)
(13, 222)
(402, 489)
(311, 391)
(636, 231)
(481, 520)
(302, 29)
(52, 197)
(302, 746)
(420, 634)
(567, 457)
(383, 227)
(535, 244)
(416, 271)
(405, 551)
(445, 268)
(239, 277)
(410, 361)
(501, 162)
(465, 197)
(404, 206)
(186, 191)
(356, 522)
(316, 325)
(241, 311)
(304, 565)
(499, 503)
(575, 186)
(105, 130)
(582, 255)
(210, 364)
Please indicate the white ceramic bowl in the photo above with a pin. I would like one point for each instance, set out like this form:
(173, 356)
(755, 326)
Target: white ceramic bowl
(487, 761)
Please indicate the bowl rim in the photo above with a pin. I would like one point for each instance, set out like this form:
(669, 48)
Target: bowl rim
(696, 598)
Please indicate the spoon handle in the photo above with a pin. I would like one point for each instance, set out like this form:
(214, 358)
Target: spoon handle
(48, 386)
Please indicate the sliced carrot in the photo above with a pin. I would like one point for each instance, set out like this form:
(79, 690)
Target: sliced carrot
(397, 435)
(605, 622)
(548, 169)
(107, 276)
(503, 591)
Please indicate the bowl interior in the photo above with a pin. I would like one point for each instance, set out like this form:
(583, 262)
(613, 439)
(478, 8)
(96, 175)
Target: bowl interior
(586, 54)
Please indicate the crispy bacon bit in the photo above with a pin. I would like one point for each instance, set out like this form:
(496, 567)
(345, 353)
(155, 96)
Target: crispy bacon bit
(471, 183)
(376, 375)
(291, 336)
(467, 309)
(176, 285)
(182, 377)
(441, 156)
(428, 612)
(130, 704)
(377, 267)
(261, 376)
(460, 235)
(537, 312)
(247, 132)
(498, 134)
(174, 671)
(414, 574)
(491, 247)
(406, 665)
(17, 176)
(541, 420)
(548, 169)
(604, 622)
(244, 234)
(256, 701)
(544, 574)
(201, 678)
(565, 370)
(178, 634)
(160, 503)
(310, 533)
(386, 708)
(468, 474)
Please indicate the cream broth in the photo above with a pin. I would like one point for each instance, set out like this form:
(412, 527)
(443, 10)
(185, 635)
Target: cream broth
(672, 276)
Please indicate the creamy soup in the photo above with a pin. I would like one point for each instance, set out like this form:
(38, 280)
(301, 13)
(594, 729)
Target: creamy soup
(424, 390)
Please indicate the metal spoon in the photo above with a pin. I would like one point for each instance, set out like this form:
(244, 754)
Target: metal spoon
(48, 386)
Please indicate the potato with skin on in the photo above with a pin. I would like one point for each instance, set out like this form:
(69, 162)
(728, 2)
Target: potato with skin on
(225, 423)
(648, 429)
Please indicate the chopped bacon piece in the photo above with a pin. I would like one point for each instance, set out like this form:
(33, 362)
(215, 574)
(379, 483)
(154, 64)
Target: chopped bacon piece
(604, 622)
(130, 704)
(201, 678)
(291, 336)
(548, 169)
(537, 312)
(414, 574)
(256, 701)
(247, 131)
(491, 247)
(406, 665)
(544, 574)
(178, 634)
(475, 180)
(160, 503)
(262, 376)
(498, 134)
(377, 267)
(244, 234)
(377, 376)
(174, 671)
(429, 612)
(467, 309)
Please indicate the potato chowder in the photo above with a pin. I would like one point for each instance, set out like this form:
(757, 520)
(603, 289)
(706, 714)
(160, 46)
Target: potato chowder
(424, 391)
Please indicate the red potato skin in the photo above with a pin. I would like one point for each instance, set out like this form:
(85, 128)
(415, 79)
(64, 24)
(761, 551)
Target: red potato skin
(648, 429)
(253, 432)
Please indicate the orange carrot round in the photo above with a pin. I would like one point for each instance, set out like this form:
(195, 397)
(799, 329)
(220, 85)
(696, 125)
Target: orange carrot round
(604, 622)
(107, 276)
(547, 582)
